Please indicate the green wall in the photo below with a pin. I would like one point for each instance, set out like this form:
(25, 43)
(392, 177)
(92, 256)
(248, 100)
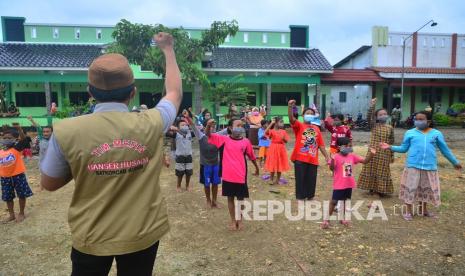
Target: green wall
(67, 34)
(88, 35)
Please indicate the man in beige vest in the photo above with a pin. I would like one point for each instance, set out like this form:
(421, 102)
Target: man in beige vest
(115, 158)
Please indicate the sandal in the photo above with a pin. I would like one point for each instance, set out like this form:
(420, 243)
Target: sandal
(283, 181)
(430, 215)
(266, 177)
(345, 223)
(408, 217)
(325, 224)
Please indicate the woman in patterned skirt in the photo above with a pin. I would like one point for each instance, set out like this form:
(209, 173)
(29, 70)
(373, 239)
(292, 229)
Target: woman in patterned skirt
(420, 180)
(376, 174)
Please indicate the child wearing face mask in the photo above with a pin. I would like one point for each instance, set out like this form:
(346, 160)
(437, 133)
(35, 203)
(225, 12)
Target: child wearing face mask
(183, 154)
(420, 179)
(277, 161)
(12, 171)
(233, 150)
(376, 175)
(308, 141)
(334, 124)
(342, 166)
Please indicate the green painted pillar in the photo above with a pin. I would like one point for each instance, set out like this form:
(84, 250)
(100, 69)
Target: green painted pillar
(62, 94)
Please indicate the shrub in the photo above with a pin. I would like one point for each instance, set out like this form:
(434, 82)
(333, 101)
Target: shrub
(458, 107)
(441, 119)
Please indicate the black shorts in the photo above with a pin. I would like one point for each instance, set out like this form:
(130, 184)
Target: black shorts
(342, 194)
(240, 191)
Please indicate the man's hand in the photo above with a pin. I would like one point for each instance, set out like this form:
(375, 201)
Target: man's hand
(373, 151)
(291, 103)
(29, 118)
(173, 128)
(164, 41)
(373, 101)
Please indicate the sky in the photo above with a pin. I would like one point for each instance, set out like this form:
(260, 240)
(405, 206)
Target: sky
(336, 27)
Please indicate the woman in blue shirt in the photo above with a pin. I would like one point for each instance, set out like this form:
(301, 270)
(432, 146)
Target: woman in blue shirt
(420, 179)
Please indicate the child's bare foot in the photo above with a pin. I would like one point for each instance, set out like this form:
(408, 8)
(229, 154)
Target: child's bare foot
(233, 226)
(178, 189)
(215, 205)
(20, 218)
(239, 225)
(325, 224)
(9, 219)
(188, 189)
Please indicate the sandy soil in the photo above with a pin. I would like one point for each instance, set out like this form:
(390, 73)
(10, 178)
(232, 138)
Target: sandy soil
(200, 244)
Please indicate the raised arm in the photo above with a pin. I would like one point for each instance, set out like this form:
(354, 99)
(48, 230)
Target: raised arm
(371, 113)
(290, 104)
(270, 126)
(173, 83)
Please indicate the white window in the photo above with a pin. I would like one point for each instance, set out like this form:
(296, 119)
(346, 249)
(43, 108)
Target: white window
(56, 33)
(390, 40)
(283, 38)
(246, 37)
(425, 42)
(265, 38)
(227, 39)
(33, 32)
(77, 33)
(99, 33)
(402, 39)
(433, 42)
(443, 42)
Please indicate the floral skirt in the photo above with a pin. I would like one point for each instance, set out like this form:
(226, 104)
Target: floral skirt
(420, 186)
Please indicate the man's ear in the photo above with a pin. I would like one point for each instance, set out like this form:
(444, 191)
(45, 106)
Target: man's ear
(133, 93)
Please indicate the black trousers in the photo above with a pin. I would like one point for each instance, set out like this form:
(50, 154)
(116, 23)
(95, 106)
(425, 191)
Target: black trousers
(139, 263)
(305, 180)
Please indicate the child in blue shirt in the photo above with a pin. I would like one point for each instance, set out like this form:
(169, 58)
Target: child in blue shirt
(263, 144)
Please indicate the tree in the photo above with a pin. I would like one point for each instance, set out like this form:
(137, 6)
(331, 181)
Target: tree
(134, 41)
(228, 91)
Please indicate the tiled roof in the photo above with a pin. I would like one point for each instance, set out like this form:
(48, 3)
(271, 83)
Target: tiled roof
(275, 59)
(48, 55)
(352, 75)
(420, 70)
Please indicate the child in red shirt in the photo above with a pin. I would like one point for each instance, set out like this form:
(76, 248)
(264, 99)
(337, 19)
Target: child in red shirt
(308, 141)
(335, 125)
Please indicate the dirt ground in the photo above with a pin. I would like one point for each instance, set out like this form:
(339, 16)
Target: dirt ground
(200, 244)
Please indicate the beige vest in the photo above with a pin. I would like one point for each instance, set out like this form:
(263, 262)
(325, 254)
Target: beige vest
(115, 158)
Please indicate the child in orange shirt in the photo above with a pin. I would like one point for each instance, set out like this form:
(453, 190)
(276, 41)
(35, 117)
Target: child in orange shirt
(12, 171)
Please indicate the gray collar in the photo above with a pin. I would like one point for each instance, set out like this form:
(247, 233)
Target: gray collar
(111, 107)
